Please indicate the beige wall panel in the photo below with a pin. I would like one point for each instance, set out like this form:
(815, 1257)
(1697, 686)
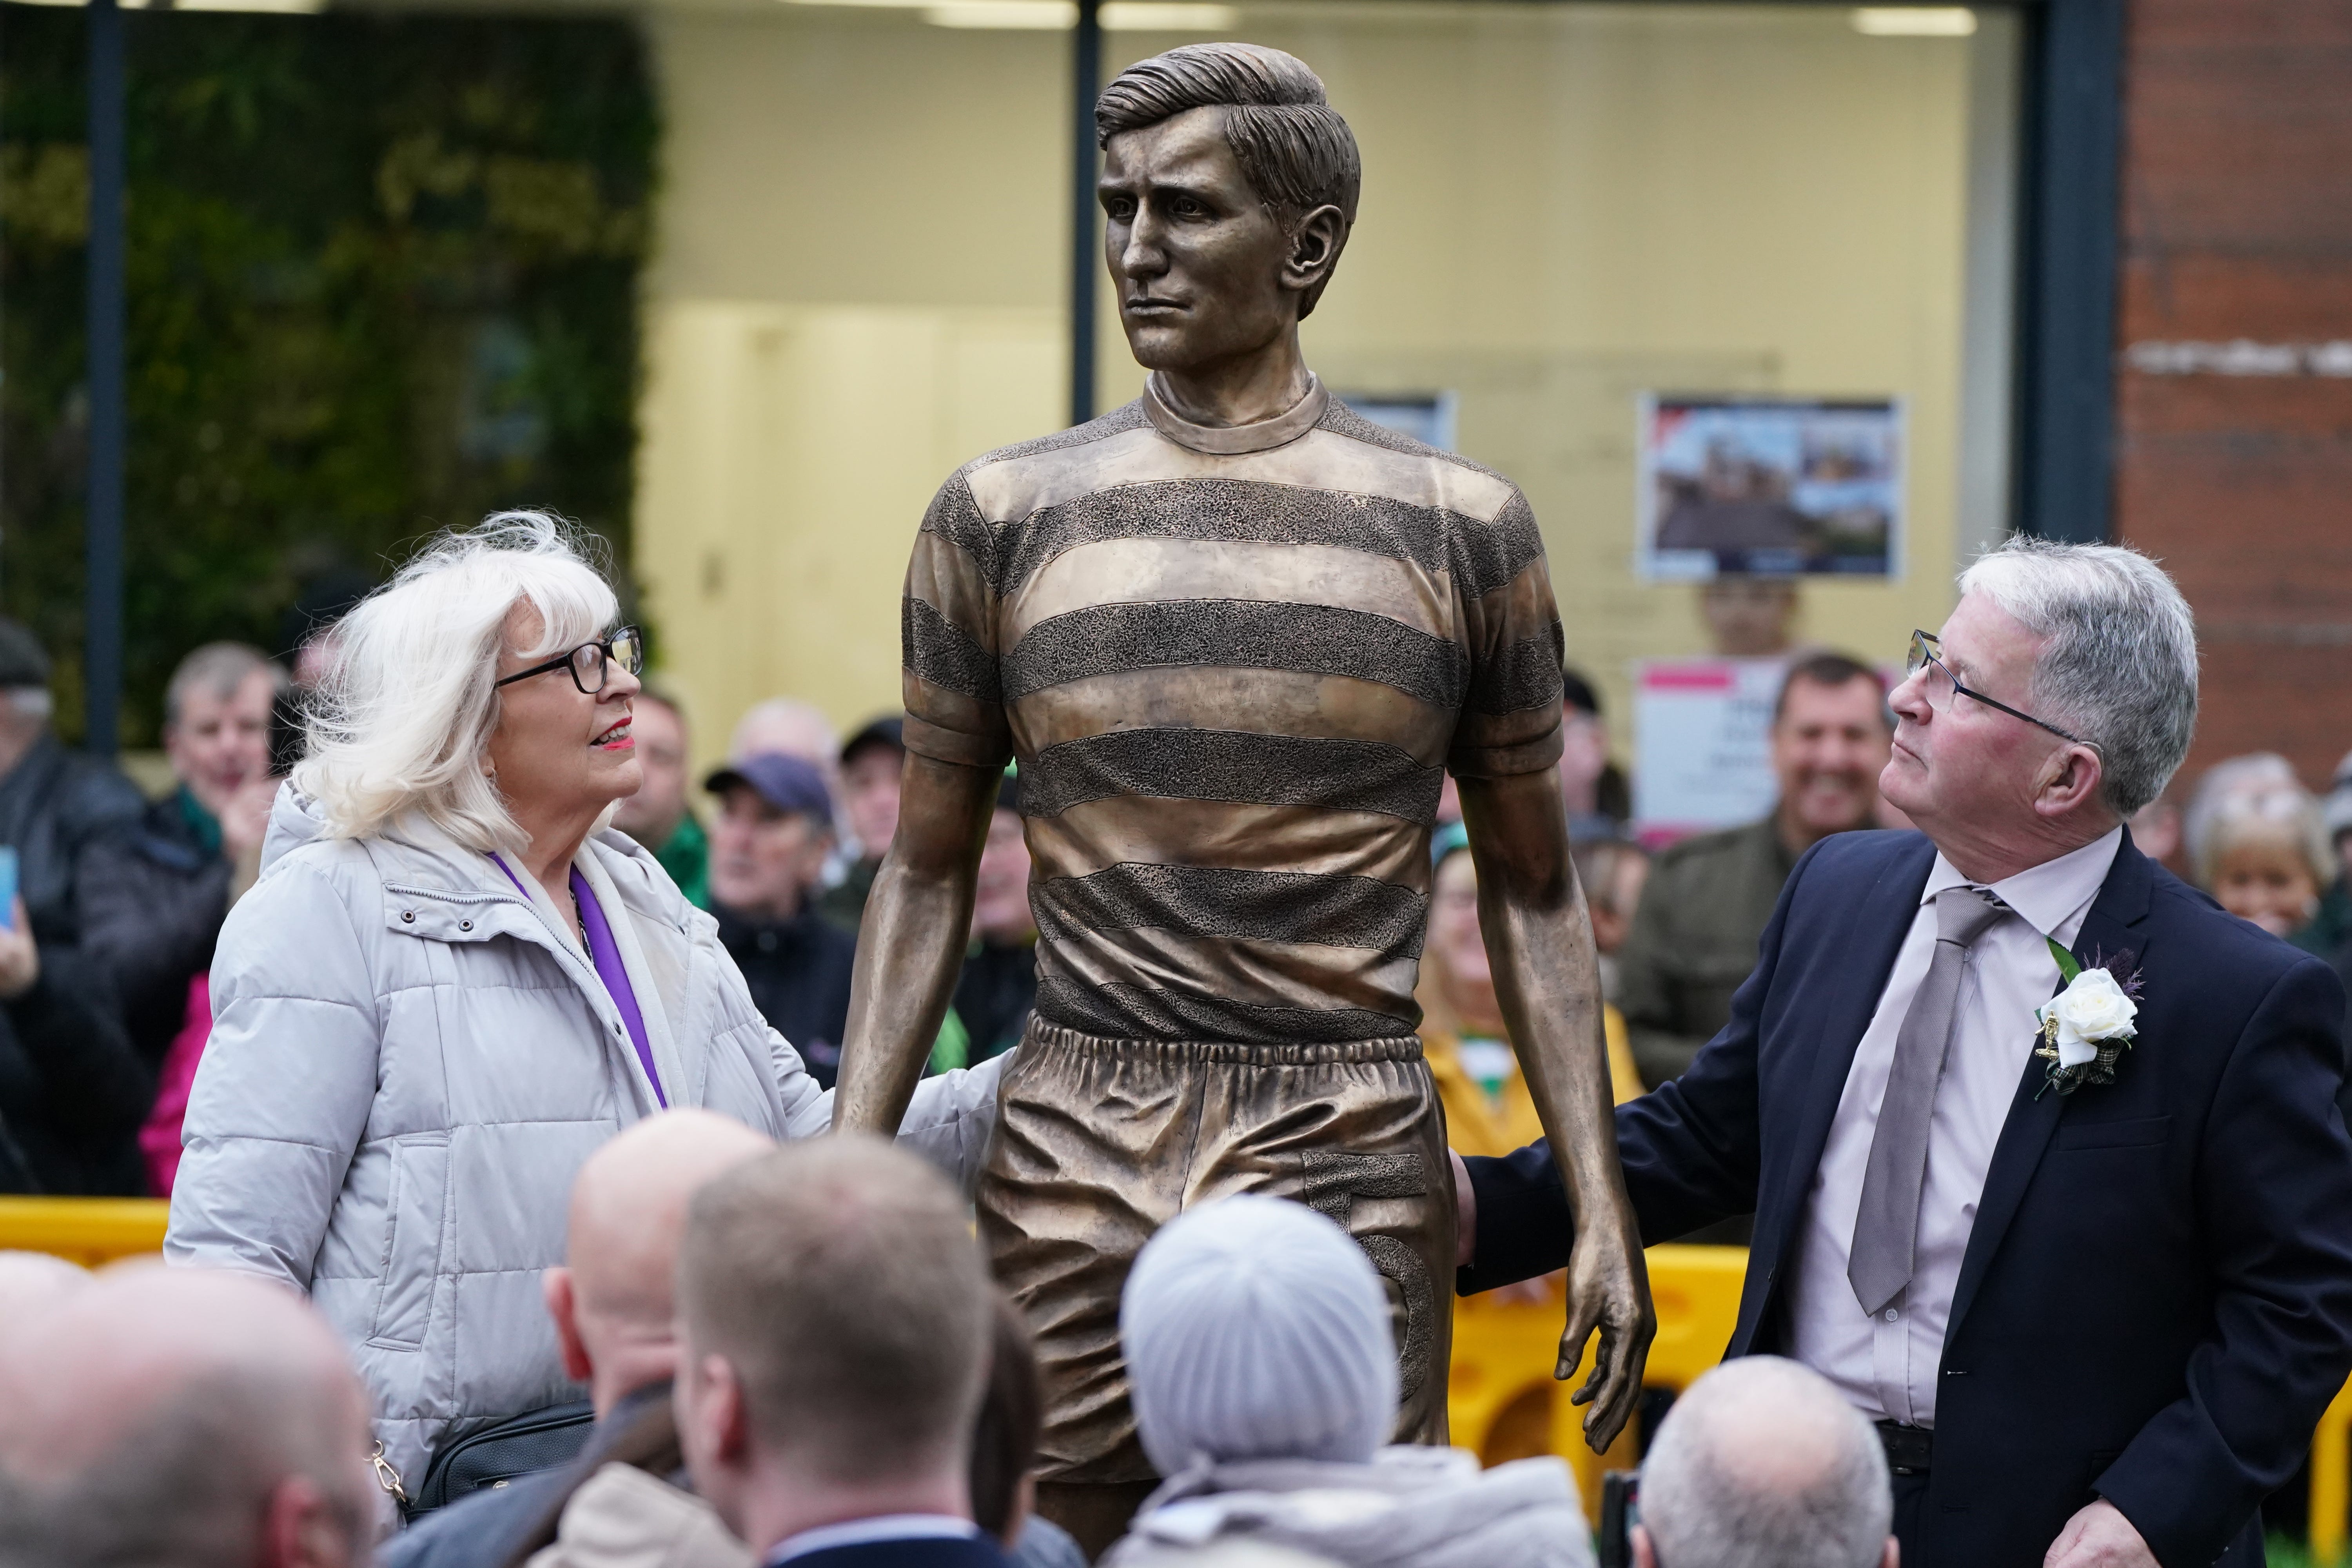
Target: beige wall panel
(830, 154)
(790, 454)
(1564, 205)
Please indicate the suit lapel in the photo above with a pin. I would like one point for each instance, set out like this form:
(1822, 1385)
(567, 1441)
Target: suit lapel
(2108, 931)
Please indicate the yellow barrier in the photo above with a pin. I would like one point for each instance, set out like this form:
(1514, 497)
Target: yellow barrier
(1502, 1401)
(88, 1231)
(2331, 1485)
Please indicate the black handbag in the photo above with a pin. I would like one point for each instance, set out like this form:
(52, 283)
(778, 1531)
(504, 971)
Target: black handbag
(535, 1441)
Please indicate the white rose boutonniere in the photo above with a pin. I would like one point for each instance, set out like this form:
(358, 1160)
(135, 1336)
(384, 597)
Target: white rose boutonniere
(2086, 1028)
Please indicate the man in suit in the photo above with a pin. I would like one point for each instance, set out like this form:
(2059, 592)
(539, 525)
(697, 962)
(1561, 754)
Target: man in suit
(2095, 1318)
(835, 1321)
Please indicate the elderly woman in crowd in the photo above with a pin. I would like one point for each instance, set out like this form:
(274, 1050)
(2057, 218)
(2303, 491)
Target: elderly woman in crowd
(1259, 1343)
(452, 983)
(2265, 856)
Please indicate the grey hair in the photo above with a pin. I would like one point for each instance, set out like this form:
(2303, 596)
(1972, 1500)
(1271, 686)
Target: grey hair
(2225, 783)
(1762, 1464)
(403, 712)
(190, 1485)
(219, 668)
(2287, 815)
(2119, 664)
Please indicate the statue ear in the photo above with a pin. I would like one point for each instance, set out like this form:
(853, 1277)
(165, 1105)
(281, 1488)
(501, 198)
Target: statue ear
(1316, 241)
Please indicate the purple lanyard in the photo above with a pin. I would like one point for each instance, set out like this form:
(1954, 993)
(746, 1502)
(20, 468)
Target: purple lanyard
(605, 954)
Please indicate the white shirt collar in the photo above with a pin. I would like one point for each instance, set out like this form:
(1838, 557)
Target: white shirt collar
(881, 1527)
(2054, 897)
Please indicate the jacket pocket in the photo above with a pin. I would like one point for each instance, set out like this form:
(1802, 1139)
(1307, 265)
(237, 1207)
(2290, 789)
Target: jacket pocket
(414, 1208)
(2140, 1133)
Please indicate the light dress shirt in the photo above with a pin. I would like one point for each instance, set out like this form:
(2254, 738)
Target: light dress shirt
(1887, 1364)
(881, 1527)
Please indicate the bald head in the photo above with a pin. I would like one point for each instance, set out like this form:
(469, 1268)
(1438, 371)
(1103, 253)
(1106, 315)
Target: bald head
(31, 1281)
(788, 725)
(612, 1299)
(1762, 1464)
(194, 1416)
(628, 1207)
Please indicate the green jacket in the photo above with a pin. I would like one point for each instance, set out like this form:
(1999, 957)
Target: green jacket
(1694, 940)
(686, 859)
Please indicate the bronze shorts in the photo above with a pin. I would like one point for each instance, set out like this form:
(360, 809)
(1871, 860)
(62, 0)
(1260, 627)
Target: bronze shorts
(1099, 1142)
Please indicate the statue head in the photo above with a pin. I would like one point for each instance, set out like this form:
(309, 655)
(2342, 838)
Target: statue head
(1228, 187)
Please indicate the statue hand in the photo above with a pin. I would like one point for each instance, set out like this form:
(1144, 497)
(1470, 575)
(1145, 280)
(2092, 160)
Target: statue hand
(1608, 1290)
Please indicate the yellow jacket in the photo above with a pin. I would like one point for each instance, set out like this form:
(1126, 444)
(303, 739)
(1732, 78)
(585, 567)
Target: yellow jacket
(1478, 1124)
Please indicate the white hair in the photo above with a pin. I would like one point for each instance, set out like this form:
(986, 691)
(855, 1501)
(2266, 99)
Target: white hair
(2226, 782)
(1762, 1464)
(402, 715)
(2118, 663)
(2286, 815)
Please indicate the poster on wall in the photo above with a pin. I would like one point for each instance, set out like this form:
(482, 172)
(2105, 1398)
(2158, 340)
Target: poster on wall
(1429, 417)
(1771, 487)
(1702, 744)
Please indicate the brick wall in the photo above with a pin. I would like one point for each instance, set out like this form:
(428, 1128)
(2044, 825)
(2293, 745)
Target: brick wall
(2234, 464)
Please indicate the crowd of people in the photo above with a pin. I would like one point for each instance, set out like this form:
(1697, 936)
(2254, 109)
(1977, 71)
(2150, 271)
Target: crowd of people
(105, 977)
(322, 993)
(794, 1354)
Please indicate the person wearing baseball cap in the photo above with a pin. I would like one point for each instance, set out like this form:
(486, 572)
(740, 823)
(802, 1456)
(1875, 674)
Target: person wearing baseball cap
(871, 762)
(768, 849)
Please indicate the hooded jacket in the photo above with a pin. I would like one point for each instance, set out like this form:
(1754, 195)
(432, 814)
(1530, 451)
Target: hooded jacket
(1411, 1507)
(623, 1518)
(409, 1062)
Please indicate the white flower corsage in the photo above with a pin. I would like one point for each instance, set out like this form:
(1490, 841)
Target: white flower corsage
(2086, 1028)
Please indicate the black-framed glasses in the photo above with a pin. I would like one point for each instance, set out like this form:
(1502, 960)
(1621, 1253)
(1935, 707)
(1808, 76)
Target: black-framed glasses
(591, 663)
(1927, 653)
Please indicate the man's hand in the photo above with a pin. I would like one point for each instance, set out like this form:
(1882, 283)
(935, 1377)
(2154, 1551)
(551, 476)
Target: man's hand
(20, 959)
(1607, 1289)
(1534, 1292)
(1466, 1212)
(2099, 1537)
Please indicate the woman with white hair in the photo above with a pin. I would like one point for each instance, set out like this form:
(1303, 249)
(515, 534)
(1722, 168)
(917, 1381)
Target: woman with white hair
(452, 983)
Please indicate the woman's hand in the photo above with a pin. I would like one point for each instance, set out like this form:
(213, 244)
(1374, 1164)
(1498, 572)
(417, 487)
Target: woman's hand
(20, 957)
(244, 817)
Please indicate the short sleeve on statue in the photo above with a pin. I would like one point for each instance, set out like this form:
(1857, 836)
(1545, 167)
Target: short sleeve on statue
(1510, 719)
(947, 636)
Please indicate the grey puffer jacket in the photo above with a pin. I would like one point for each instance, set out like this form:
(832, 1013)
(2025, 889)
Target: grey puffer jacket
(1410, 1507)
(407, 1065)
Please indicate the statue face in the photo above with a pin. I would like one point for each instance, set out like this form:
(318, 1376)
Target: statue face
(1205, 270)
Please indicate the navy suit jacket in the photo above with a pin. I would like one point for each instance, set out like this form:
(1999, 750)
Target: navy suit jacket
(917, 1551)
(2156, 1301)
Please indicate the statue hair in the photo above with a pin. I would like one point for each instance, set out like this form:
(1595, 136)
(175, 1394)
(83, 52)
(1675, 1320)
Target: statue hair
(1294, 148)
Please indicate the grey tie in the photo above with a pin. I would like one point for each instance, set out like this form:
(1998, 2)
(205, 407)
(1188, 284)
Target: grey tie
(1886, 1230)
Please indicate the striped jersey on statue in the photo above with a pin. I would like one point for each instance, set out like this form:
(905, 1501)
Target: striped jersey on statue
(1234, 664)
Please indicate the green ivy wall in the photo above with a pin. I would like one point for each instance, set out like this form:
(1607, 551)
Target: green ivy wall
(384, 278)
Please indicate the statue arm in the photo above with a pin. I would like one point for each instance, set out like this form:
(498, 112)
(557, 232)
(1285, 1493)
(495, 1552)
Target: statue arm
(911, 945)
(1539, 937)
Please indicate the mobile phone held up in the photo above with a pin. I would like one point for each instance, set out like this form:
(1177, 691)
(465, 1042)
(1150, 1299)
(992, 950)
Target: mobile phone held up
(1621, 1509)
(7, 886)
